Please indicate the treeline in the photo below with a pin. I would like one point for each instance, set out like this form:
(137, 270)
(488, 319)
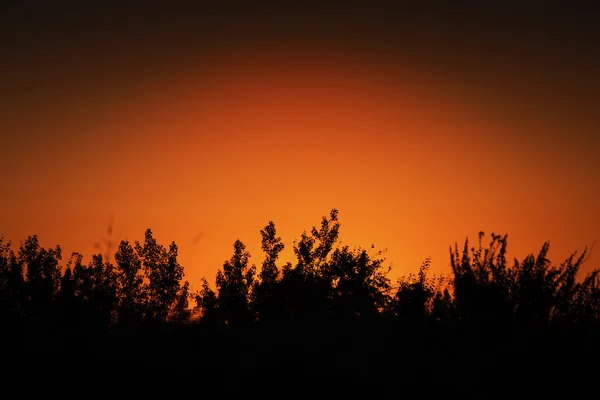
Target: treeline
(332, 324)
(144, 286)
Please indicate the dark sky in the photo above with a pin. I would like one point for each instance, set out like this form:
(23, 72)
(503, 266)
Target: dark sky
(561, 37)
(548, 48)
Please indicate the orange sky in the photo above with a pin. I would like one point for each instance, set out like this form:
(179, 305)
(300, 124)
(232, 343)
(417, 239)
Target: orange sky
(208, 146)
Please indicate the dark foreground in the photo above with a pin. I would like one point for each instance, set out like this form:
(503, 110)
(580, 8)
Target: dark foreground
(303, 360)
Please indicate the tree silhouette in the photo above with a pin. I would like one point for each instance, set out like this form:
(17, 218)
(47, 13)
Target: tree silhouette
(68, 306)
(360, 284)
(43, 278)
(164, 275)
(95, 291)
(105, 289)
(13, 295)
(180, 311)
(234, 283)
(265, 293)
(308, 285)
(131, 292)
(206, 303)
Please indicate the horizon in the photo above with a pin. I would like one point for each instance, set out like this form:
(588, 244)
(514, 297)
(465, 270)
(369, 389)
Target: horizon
(108, 245)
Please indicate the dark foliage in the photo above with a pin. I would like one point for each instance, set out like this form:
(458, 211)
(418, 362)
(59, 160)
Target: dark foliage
(331, 323)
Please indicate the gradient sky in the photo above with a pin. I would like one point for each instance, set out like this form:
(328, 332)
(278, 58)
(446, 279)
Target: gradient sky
(422, 125)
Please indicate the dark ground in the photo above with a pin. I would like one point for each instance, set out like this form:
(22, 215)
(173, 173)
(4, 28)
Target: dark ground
(302, 360)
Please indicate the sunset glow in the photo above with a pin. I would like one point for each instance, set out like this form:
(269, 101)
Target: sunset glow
(210, 147)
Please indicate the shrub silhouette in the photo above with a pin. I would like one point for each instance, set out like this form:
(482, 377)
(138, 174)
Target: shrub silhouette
(532, 294)
(414, 295)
